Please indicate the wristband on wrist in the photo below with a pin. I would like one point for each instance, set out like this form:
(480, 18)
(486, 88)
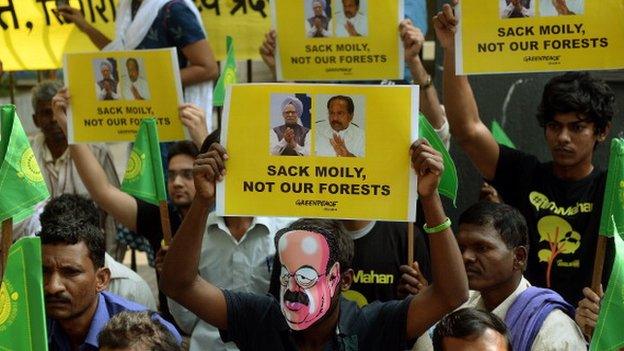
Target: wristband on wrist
(424, 85)
(438, 228)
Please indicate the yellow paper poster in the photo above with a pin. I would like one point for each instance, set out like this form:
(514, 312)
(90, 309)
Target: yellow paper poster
(111, 92)
(338, 40)
(325, 151)
(539, 35)
(34, 37)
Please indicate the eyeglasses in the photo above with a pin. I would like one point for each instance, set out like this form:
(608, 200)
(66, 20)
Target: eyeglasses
(306, 277)
(184, 173)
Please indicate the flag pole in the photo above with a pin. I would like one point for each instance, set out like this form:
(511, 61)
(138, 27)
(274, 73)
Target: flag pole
(7, 239)
(601, 248)
(164, 222)
(410, 243)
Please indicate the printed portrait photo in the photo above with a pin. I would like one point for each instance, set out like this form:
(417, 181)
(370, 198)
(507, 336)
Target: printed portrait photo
(340, 127)
(134, 85)
(290, 122)
(351, 17)
(318, 23)
(517, 8)
(561, 7)
(106, 79)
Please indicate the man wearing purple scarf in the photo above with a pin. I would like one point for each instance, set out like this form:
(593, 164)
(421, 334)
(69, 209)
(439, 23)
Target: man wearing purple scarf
(493, 239)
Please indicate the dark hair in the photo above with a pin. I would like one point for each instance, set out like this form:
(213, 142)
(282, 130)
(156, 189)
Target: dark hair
(357, 3)
(468, 323)
(346, 99)
(132, 59)
(182, 148)
(506, 220)
(127, 329)
(71, 231)
(340, 244)
(69, 205)
(212, 138)
(581, 93)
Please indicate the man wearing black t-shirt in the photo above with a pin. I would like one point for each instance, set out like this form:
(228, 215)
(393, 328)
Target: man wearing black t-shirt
(316, 258)
(561, 200)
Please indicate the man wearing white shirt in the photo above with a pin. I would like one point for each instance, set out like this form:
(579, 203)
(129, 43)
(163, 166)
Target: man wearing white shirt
(493, 239)
(351, 22)
(338, 135)
(561, 7)
(135, 87)
(516, 8)
(237, 254)
(290, 138)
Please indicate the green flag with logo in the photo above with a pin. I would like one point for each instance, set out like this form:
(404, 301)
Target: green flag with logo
(21, 183)
(612, 218)
(448, 182)
(500, 136)
(22, 310)
(608, 334)
(228, 76)
(144, 176)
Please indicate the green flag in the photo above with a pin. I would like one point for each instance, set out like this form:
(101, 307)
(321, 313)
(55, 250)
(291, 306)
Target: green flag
(21, 182)
(228, 76)
(608, 334)
(144, 176)
(448, 183)
(500, 136)
(22, 311)
(612, 218)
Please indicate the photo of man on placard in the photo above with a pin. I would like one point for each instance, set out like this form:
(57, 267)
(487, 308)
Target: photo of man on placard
(106, 79)
(351, 19)
(318, 23)
(341, 133)
(289, 134)
(561, 7)
(517, 8)
(134, 85)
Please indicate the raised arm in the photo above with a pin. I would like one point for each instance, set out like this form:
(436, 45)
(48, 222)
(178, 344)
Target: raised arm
(74, 15)
(195, 121)
(180, 278)
(202, 64)
(450, 283)
(118, 204)
(268, 51)
(461, 108)
(413, 40)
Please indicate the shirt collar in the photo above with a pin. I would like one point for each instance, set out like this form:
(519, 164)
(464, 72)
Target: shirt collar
(99, 320)
(501, 310)
(267, 226)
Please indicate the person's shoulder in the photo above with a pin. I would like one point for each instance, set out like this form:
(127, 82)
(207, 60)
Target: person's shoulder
(115, 303)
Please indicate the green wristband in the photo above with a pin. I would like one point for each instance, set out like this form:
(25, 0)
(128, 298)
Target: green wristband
(438, 228)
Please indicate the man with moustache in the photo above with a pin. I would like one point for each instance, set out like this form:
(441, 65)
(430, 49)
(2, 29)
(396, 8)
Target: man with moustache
(493, 240)
(316, 259)
(351, 22)
(77, 307)
(291, 138)
(134, 87)
(57, 165)
(338, 135)
(561, 200)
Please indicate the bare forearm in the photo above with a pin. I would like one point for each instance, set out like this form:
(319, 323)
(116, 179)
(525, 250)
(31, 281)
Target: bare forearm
(180, 268)
(120, 205)
(429, 102)
(459, 101)
(447, 268)
(195, 74)
(97, 38)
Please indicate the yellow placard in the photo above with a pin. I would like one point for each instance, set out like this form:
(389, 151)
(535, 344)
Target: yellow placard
(338, 40)
(303, 177)
(35, 38)
(111, 92)
(537, 36)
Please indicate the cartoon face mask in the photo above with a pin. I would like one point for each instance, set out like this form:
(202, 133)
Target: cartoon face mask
(306, 289)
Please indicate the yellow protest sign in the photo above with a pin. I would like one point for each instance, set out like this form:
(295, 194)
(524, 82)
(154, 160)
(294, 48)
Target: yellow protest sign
(327, 151)
(539, 35)
(338, 40)
(35, 38)
(111, 92)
